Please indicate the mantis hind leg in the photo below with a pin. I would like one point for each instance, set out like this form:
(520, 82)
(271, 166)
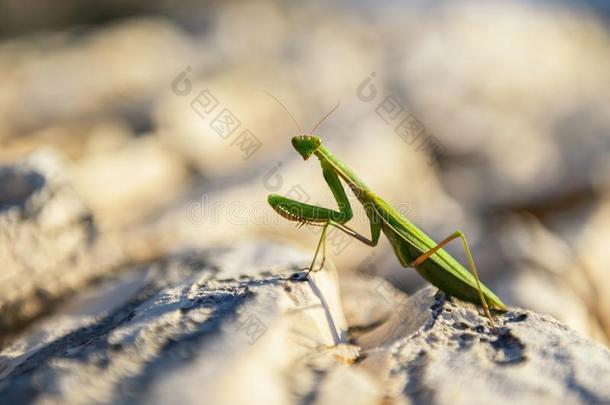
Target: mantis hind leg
(473, 269)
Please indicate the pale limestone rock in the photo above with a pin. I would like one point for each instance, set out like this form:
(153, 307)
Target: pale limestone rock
(440, 350)
(189, 328)
(47, 240)
(235, 326)
(129, 181)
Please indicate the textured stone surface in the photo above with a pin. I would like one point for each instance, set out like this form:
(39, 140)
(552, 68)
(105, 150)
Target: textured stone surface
(440, 350)
(47, 239)
(234, 326)
(187, 329)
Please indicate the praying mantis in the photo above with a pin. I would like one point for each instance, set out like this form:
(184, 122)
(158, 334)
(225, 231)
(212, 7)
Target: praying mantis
(412, 247)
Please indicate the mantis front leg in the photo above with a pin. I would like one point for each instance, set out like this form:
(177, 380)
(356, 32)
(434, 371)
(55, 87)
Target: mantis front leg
(320, 216)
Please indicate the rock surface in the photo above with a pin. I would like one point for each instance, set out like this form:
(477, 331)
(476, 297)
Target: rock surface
(436, 349)
(45, 229)
(234, 326)
(185, 329)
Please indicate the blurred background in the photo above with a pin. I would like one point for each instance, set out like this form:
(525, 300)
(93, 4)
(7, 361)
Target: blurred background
(489, 117)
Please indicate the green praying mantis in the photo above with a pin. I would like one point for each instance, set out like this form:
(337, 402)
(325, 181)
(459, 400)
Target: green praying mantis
(412, 246)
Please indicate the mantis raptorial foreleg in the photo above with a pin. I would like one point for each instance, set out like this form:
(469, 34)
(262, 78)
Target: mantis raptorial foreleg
(316, 215)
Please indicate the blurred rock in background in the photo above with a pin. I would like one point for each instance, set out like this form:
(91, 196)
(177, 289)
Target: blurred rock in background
(492, 118)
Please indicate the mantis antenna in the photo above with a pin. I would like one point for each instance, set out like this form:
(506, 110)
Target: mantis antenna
(325, 117)
(285, 109)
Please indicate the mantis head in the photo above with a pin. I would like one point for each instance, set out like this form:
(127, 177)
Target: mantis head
(306, 145)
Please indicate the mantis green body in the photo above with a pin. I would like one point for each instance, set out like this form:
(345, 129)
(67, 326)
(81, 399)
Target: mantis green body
(412, 247)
